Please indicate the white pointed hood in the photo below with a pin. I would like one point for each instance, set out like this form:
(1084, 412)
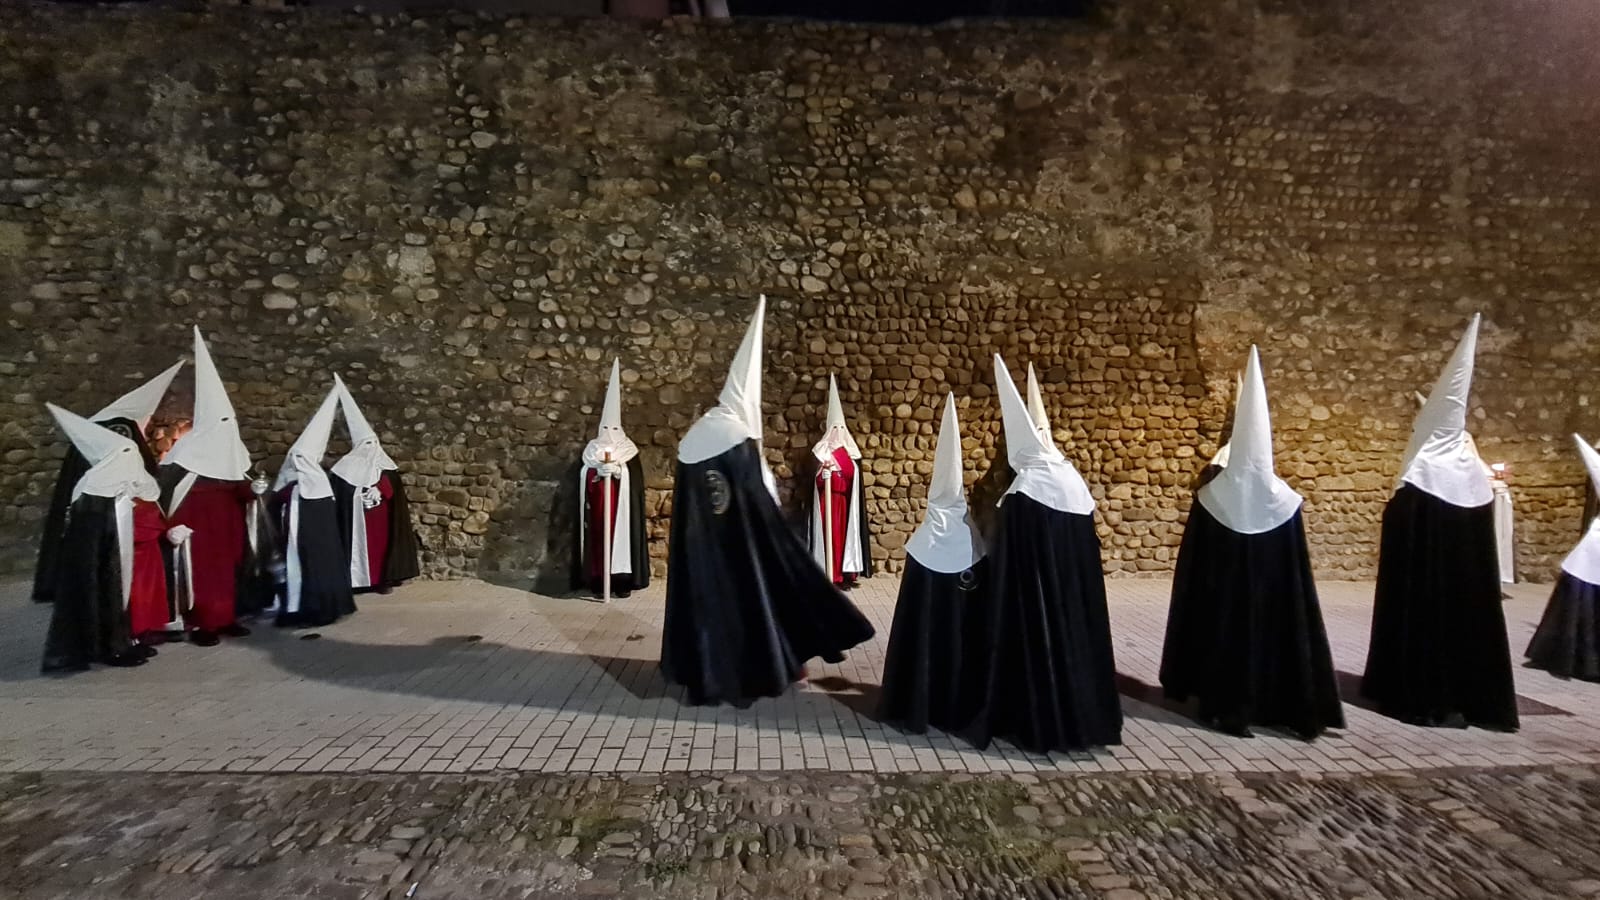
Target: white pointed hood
(140, 404)
(212, 447)
(737, 416)
(366, 462)
(1036, 410)
(1441, 460)
(836, 433)
(303, 464)
(610, 440)
(946, 541)
(1043, 474)
(1583, 563)
(116, 468)
(1221, 459)
(1248, 497)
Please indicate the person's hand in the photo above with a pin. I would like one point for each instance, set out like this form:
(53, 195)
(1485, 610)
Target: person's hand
(259, 485)
(178, 534)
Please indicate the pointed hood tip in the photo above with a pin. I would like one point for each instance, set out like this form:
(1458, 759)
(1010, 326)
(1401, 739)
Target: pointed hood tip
(1439, 458)
(1248, 497)
(1590, 457)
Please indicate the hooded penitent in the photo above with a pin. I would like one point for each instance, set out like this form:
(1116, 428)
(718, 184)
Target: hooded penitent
(936, 656)
(110, 574)
(610, 477)
(1244, 633)
(746, 604)
(837, 500)
(1036, 409)
(205, 488)
(128, 416)
(375, 517)
(1567, 642)
(1438, 653)
(1050, 679)
(316, 566)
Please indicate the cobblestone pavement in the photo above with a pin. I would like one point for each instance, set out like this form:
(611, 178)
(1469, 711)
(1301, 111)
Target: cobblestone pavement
(468, 677)
(1485, 833)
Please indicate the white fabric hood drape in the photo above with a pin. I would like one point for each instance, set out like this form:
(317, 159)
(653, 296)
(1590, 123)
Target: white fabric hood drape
(1583, 563)
(737, 416)
(609, 438)
(1036, 410)
(1043, 473)
(140, 404)
(116, 469)
(946, 542)
(212, 447)
(836, 434)
(366, 462)
(1248, 497)
(1440, 460)
(303, 464)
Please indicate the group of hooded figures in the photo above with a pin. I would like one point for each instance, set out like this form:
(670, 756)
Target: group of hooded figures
(136, 552)
(1007, 634)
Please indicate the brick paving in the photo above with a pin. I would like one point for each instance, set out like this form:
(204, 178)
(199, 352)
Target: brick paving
(463, 677)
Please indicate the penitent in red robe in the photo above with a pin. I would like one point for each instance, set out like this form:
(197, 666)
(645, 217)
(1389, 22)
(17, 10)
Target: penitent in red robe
(215, 510)
(378, 529)
(147, 599)
(594, 526)
(839, 485)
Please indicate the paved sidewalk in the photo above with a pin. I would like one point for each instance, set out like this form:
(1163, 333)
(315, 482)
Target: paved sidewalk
(467, 677)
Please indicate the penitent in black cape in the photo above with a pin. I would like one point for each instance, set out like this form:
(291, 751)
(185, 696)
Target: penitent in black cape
(1439, 653)
(317, 583)
(1244, 632)
(936, 660)
(586, 517)
(89, 624)
(1051, 679)
(1567, 642)
(401, 561)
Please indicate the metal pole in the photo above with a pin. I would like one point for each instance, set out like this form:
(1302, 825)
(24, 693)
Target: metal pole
(606, 525)
(827, 520)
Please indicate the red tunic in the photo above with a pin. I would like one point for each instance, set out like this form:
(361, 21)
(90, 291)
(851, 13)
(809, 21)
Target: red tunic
(147, 599)
(838, 486)
(378, 529)
(594, 525)
(216, 512)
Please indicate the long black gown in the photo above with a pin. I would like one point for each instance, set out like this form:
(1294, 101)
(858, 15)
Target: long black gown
(1439, 653)
(1051, 679)
(402, 560)
(1567, 642)
(73, 467)
(934, 667)
(1245, 633)
(746, 604)
(638, 539)
(325, 595)
(88, 623)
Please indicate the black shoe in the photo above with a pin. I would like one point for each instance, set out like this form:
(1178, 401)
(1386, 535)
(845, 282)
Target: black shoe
(386, 589)
(144, 650)
(126, 660)
(204, 638)
(235, 630)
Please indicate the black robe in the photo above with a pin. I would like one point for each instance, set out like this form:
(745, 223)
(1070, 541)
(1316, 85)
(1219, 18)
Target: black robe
(262, 563)
(638, 539)
(88, 623)
(746, 604)
(73, 467)
(325, 594)
(401, 560)
(808, 503)
(1439, 653)
(936, 659)
(1245, 633)
(1567, 642)
(1050, 682)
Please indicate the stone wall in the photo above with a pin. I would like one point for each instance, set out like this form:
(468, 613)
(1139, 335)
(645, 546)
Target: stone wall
(469, 217)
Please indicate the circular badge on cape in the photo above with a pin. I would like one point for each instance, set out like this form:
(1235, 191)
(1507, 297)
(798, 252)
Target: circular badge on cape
(967, 580)
(122, 429)
(717, 489)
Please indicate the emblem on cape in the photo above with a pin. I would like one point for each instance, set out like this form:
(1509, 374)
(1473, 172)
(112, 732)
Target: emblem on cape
(967, 580)
(717, 487)
(121, 429)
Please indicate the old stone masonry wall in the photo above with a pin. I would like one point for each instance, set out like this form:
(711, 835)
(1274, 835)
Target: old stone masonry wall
(469, 217)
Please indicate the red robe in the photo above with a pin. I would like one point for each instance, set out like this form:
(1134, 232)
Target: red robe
(378, 529)
(215, 510)
(594, 536)
(839, 485)
(147, 599)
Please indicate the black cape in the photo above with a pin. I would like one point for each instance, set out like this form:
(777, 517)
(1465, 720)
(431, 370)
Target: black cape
(746, 604)
(638, 539)
(73, 467)
(1245, 633)
(88, 623)
(325, 594)
(1567, 642)
(936, 658)
(263, 561)
(1051, 679)
(1439, 653)
(808, 503)
(401, 562)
